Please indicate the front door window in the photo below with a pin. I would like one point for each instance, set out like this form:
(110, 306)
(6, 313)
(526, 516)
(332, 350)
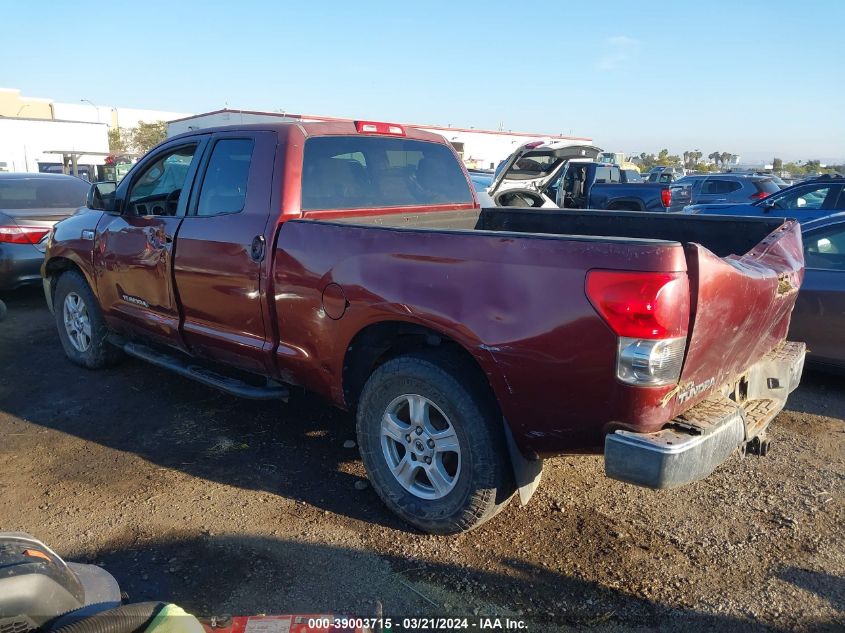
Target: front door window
(158, 190)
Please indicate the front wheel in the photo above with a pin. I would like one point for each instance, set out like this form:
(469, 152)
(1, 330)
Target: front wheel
(80, 323)
(433, 445)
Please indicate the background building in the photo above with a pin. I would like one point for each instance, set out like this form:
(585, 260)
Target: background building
(38, 134)
(481, 149)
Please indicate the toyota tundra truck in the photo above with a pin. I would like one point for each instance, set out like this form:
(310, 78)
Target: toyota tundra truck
(352, 259)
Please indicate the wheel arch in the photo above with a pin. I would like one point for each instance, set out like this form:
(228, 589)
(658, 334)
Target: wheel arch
(54, 268)
(381, 341)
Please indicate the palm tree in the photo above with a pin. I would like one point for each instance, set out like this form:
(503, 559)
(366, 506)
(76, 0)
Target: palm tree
(715, 157)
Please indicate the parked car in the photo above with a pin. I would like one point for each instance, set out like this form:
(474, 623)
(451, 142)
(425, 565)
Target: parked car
(559, 175)
(30, 204)
(482, 180)
(819, 315)
(720, 188)
(353, 260)
(631, 175)
(664, 175)
(805, 201)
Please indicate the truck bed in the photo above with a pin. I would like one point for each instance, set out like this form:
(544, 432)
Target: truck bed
(508, 285)
(721, 236)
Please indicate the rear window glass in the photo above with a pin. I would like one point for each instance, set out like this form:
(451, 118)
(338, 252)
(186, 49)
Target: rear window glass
(767, 185)
(633, 176)
(535, 165)
(354, 172)
(42, 193)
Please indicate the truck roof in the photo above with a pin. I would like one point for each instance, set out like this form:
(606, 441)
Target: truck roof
(316, 128)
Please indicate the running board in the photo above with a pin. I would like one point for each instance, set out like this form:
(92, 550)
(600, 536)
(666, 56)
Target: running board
(228, 384)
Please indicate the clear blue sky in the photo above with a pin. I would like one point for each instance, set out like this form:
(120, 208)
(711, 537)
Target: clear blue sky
(757, 78)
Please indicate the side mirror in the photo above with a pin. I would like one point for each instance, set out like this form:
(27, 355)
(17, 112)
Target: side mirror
(101, 196)
(767, 205)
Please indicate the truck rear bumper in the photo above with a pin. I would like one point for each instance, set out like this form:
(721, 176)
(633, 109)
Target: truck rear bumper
(694, 444)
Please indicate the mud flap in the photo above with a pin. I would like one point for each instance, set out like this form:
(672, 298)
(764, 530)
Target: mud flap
(526, 472)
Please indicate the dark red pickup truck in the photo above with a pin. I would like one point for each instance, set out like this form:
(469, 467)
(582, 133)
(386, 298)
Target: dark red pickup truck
(353, 260)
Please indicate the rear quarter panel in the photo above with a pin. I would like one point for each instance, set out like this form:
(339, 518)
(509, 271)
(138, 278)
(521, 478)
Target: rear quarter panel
(516, 303)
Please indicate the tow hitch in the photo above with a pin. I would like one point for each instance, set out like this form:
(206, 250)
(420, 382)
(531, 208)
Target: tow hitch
(757, 446)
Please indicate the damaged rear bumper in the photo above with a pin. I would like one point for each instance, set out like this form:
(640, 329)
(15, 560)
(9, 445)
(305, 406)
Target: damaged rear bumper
(694, 444)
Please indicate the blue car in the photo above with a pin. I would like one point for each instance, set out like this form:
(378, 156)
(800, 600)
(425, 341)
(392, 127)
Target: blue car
(819, 315)
(809, 200)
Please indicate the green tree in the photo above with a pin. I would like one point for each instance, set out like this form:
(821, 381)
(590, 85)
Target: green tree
(777, 164)
(118, 140)
(724, 157)
(148, 135)
(716, 157)
(646, 161)
(794, 169)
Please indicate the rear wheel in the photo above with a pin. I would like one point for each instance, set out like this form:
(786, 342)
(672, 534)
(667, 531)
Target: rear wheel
(80, 323)
(433, 444)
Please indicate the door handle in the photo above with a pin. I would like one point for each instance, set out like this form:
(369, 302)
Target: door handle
(256, 249)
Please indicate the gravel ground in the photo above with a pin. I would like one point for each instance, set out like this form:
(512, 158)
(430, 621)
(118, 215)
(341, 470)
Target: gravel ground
(229, 506)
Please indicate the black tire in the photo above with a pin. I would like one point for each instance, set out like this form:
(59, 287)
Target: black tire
(484, 482)
(100, 352)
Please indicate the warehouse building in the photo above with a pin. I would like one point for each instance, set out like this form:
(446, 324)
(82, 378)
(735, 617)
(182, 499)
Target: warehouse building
(43, 135)
(480, 149)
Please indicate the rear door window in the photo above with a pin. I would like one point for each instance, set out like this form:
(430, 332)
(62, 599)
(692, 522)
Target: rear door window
(355, 172)
(224, 185)
(720, 186)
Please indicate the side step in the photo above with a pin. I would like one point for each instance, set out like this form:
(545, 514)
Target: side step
(183, 367)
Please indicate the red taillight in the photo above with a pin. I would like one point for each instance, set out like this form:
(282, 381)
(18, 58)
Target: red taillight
(22, 234)
(373, 127)
(666, 197)
(641, 305)
(759, 195)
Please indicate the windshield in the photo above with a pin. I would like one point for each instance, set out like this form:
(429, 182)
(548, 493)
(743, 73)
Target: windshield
(42, 193)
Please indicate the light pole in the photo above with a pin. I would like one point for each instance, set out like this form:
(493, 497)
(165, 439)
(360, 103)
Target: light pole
(96, 109)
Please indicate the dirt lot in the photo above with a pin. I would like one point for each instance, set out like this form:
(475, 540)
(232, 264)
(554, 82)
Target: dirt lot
(228, 506)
